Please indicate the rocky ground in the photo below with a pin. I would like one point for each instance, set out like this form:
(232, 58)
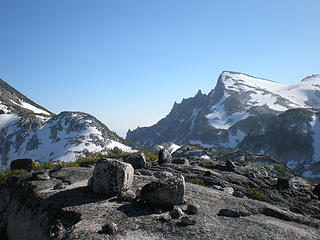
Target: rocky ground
(234, 196)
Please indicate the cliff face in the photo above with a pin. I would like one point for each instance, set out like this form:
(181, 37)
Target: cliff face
(229, 197)
(248, 113)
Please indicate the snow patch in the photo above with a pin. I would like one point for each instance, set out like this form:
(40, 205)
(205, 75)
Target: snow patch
(218, 118)
(121, 146)
(31, 107)
(298, 94)
(205, 157)
(173, 147)
(7, 119)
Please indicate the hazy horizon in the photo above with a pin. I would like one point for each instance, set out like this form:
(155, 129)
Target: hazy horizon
(127, 62)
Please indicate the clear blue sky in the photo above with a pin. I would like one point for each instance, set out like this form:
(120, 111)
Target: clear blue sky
(126, 62)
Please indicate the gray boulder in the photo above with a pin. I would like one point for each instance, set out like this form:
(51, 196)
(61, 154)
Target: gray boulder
(164, 157)
(192, 209)
(167, 191)
(110, 228)
(187, 221)
(316, 190)
(137, 160)
(230, 166)
(176, 213)
(283, 184)
(111, 177)
(23, 164)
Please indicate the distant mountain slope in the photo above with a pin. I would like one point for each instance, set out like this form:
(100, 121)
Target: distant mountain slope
(28, 130)
(237, 112)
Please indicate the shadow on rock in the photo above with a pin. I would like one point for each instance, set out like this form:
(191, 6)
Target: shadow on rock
(135, 209)
(75, 197)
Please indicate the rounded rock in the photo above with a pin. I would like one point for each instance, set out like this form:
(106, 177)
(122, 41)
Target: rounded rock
(176, 213)
(111, 177)
(137, 160)
(164, 157)
(192, 209)
(110, 228)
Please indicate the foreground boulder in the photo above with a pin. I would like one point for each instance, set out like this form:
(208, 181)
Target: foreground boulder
(316, 190)
(283, 184)
(23, 164)
(137, 160)
(111, 177)
(164, 192)
(164, 157)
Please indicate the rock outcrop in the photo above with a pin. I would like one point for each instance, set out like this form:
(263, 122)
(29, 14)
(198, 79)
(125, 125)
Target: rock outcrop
(32, 208)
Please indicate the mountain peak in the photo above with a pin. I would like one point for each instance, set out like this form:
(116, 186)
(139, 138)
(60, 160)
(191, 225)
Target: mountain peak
(199, 93)
(238, 76)
(311, 77)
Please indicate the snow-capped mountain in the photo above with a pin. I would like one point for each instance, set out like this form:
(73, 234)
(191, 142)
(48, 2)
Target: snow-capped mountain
(28, 130)
(241, 109)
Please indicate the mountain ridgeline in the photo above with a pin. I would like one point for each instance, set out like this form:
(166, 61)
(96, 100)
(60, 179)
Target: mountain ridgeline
(28, 130)
(250, 114)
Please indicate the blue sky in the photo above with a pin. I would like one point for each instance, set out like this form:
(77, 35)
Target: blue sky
(126, 62)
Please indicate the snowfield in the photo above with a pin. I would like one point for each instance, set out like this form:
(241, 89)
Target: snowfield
(31, 107)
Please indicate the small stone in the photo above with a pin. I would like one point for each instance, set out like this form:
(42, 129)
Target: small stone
(316, 190)
(127, 196)
(42, 175)
(230, 166)
(228, 213)
(57, 167)
(238, 193)
(110, 228)
(187, 221)
(176, 213)
(228, 190)
(192, 209)
(164, 218)
(58, 186)
(217, 187)
(283, 184)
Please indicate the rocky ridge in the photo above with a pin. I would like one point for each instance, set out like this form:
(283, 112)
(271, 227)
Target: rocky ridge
(239, 194)
(247, 113)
